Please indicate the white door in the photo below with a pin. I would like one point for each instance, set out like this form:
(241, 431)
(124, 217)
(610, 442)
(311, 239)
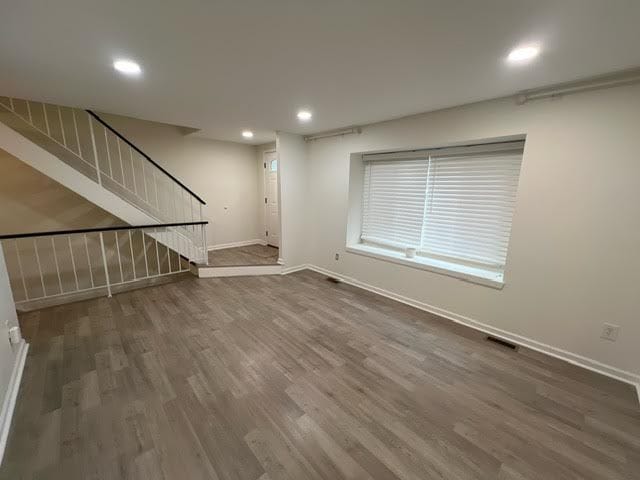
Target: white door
(272, 216)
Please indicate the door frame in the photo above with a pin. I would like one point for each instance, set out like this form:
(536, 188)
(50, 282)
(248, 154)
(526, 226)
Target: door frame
(265, 206)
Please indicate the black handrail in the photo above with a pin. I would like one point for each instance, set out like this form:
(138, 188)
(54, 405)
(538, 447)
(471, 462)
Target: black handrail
(95, 230)
(124, 139)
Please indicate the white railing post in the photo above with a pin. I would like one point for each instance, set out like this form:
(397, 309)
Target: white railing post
(55, 259)
(133, 259)
(24, 283)
(73, 263)
(106, 267)
(95, 150)
(205, 252)
(35, 247)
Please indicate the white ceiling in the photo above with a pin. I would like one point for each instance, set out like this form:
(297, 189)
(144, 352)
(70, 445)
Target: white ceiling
(225, 66)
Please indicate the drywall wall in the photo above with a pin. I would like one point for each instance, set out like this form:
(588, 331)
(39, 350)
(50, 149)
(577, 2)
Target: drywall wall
(223, 174)
(32, 202)
(293, 173)
(573, 260)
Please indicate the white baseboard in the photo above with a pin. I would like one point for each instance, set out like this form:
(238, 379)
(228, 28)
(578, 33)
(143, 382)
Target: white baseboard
(573, 358)
(12, 394)
(297, 268)
(238, 271)
(243, 243)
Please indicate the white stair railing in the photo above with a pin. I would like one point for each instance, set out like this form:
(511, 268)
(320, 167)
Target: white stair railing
(87, 143)
(53, 264)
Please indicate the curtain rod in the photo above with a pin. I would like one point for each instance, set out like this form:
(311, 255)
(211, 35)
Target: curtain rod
(334, 133)
(616, 79)
(467, 145)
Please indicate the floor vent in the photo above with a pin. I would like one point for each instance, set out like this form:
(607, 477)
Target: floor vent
(504, 343)
(333, 280)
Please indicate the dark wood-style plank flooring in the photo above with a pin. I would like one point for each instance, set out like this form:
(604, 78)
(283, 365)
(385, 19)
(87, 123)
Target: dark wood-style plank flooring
(243, 256)
(294, 377)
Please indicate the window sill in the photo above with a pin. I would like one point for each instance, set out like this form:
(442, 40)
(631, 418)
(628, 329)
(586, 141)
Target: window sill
(463, 272)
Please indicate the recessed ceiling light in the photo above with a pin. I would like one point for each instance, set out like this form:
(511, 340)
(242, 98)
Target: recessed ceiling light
(522, 54)
(304, 115)
(247, 134)
(128, 67)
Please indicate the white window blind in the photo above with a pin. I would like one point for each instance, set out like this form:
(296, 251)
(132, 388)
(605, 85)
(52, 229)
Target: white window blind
(393, 203)
(454, 204)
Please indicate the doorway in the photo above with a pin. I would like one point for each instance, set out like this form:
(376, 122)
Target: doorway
(272, 212)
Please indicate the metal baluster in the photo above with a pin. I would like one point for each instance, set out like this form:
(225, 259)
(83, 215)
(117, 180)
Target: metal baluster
(133, 259)
(64, 137)
(173, 196)
(104, 263)
(144, 182)
(124, 182)
(46, 119)
(168, 255)
(55, 259)
(205, 253)
(73, 263)
(86, 246)
(184, 217)
(35, 246)
(95, 150)
(106, 141)
(119, 257)
(133, 172)
(29, 112)
(24, 284)
(155, 230)
(144, 246)
(155, 186)
(75, 128)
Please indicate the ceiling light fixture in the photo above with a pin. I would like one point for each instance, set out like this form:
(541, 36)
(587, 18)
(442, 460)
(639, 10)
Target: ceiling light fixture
(128, 67)
(247, 134)
(522, 54)
(304, 115)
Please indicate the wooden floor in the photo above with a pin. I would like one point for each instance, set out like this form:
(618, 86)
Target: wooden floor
(243, 256)
(294, 377)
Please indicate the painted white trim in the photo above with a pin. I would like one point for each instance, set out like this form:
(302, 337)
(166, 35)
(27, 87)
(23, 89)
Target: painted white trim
(243, 243)
(573, 358)
(304, 266)
(8, 406)
(238, 271)
(463, 272)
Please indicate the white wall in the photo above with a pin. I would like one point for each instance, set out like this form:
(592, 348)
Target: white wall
(573, 261)
(223, 174)
(294, 180)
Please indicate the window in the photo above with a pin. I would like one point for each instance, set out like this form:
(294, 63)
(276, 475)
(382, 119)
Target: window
(453, 205)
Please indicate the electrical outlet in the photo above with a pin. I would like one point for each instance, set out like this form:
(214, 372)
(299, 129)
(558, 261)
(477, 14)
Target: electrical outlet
(610, 332)
(337, 256)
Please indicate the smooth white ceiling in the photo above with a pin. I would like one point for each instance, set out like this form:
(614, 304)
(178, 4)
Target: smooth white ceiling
(225, 66)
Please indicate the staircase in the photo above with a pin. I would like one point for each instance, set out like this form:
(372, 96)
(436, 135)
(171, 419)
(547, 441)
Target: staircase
(81, 151)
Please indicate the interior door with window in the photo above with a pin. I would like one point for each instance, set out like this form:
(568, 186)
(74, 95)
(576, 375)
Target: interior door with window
(272, 215)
